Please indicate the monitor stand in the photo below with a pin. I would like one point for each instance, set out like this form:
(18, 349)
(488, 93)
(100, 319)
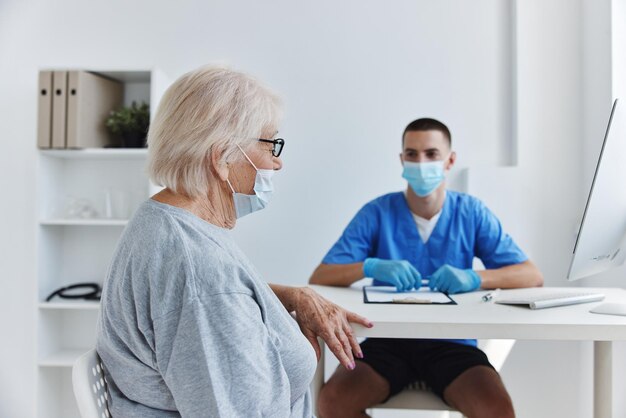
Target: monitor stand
(610, 309)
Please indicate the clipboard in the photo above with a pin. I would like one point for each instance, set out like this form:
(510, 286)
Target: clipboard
(389, 295)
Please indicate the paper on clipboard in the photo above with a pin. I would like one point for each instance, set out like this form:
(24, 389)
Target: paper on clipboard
(389, 294)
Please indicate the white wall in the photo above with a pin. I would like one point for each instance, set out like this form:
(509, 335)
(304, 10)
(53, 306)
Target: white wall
(352, 74)
(564, 90)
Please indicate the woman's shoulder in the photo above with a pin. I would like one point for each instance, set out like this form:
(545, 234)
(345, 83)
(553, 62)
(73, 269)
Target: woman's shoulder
(215, 261)
(165, 223)
(221, 268)
(182, 248)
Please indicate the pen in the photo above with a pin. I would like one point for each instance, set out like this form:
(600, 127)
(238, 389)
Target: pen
(489, 296)
(410, 299)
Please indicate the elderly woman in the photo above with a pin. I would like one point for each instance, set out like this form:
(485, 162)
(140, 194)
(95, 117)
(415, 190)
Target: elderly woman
(187, 326)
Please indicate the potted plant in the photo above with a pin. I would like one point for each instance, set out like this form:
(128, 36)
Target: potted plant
(130, 125)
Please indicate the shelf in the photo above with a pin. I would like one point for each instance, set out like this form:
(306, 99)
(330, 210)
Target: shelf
(112, 184)
(83, 222)
(62, 358)
(70, 304)
(97, 153)
(130, 76)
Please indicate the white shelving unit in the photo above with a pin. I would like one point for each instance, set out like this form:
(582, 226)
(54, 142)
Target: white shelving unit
(70, 304)
(97, 153)
(83, 222)
(86, 197)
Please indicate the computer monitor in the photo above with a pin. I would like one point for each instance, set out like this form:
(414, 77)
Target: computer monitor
(601, 241)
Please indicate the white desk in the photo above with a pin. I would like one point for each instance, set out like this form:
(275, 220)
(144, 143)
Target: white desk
(473, 318)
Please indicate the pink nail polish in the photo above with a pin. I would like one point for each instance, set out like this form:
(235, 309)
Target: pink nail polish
(352, 365)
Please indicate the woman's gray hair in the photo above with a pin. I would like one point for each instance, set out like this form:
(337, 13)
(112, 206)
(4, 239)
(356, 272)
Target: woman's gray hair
(206, 109)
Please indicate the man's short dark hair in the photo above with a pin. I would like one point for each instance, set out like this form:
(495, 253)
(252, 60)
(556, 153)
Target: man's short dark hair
(428, 124)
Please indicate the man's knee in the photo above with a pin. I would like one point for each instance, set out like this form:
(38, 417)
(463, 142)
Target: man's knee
(326, 398)
(350, 393)
(479, 392)
(487, 407)
(330, 402)
(501, 407)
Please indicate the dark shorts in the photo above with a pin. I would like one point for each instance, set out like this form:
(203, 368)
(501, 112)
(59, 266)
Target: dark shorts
(430, 363)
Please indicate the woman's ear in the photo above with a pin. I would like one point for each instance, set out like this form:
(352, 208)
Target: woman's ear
(218, 164)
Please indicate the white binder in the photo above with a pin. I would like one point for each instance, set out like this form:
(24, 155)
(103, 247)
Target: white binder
(59, 108)
(44, 113)
(91, 97)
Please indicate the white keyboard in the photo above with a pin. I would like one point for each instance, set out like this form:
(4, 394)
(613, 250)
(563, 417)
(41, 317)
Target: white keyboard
(539, 298)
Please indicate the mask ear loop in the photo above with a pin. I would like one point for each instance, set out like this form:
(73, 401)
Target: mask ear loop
(249, 160)
(230, 185)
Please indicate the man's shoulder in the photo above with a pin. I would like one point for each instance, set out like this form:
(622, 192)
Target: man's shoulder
(381, 206)
(386, 200)
(466, 200)
(469, 207)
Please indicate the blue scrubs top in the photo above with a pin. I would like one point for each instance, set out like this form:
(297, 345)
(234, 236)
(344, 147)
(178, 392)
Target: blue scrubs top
(385, 228)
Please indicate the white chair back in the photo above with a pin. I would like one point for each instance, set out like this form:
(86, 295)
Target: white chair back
(90, 386)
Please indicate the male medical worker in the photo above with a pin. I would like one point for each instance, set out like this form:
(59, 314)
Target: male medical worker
(424, 233)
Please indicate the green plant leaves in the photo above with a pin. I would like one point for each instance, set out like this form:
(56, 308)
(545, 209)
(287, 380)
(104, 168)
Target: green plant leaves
(129, 120)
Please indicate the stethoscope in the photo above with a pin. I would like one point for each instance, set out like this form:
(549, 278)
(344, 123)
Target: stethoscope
(86, 291)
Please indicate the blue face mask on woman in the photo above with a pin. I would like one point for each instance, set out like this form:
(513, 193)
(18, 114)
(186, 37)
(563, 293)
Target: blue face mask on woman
(246, 204)
(424, 178)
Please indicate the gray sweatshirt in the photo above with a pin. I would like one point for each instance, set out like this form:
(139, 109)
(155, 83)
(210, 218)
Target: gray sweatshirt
(188, 328)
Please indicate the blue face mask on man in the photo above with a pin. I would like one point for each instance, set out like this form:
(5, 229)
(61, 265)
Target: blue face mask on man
(424, 178)
(246, 204)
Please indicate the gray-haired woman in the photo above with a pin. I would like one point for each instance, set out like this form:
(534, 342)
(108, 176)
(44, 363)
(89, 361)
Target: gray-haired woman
(187, 326)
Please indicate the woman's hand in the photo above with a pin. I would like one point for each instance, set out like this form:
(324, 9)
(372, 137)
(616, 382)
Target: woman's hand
(318, 316)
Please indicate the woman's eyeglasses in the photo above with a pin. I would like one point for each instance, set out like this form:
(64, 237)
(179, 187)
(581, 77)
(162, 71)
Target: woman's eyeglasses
(277, 145)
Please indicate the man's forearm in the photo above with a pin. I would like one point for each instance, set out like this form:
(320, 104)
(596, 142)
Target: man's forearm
(525, 274)
(337, 274)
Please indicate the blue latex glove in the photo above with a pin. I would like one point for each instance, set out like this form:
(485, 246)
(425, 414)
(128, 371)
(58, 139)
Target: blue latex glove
(453, 280)
(398, 273)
